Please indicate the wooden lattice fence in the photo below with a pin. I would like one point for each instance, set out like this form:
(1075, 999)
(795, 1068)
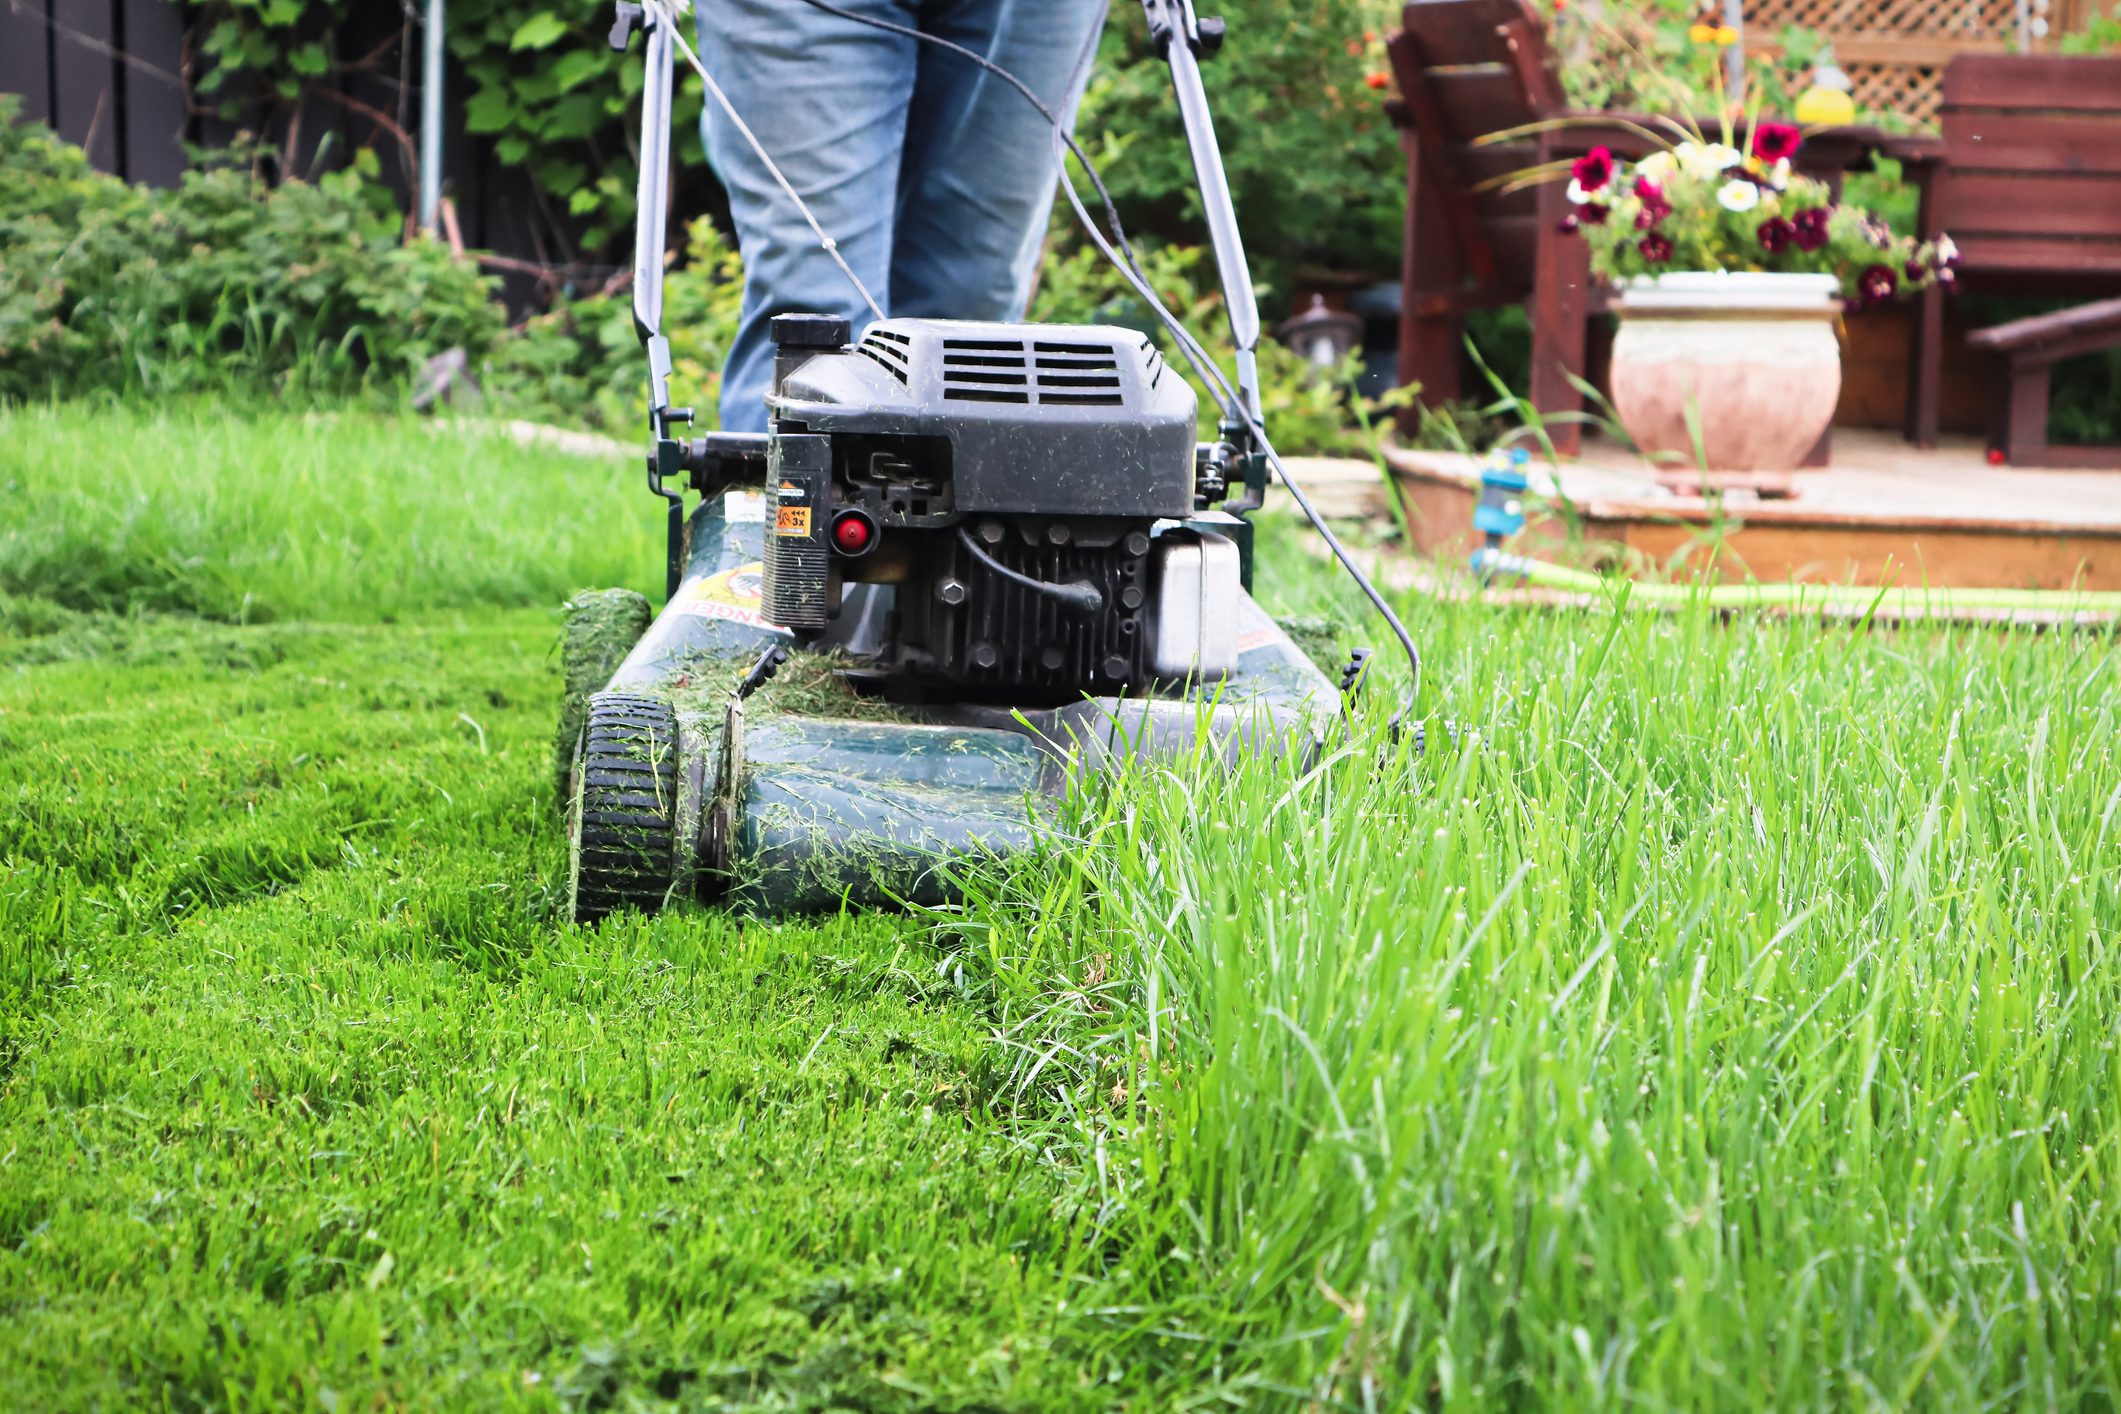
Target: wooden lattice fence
(1895, 51)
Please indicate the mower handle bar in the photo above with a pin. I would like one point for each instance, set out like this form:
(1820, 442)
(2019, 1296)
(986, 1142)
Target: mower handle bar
(1178, 34)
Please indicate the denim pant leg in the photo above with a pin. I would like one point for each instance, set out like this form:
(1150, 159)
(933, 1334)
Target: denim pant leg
(980, 170)
(828, 99)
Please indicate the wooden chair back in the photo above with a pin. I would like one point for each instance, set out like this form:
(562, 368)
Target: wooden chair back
(1465, 69)
(2031, 179)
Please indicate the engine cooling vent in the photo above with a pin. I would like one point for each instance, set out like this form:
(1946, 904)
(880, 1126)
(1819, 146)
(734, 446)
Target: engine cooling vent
(1048, 372)
(985, 371)
(887, 348)
(1085, 375)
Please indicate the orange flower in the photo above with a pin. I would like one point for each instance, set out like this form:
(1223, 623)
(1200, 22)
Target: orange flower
(1377, 80)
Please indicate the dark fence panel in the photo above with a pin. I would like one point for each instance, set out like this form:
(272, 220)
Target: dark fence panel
(26, 56)
(157, 113)
(85, 103)
(107, 75)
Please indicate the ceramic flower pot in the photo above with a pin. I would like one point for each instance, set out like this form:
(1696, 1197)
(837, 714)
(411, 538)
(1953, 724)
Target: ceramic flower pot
(1752, 361)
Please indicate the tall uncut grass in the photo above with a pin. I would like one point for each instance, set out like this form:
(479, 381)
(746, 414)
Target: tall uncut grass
(1724, 1016)
(1721, 1013)
(230, 513)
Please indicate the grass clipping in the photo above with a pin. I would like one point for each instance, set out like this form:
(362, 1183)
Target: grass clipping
(812, 683)
(599, 628)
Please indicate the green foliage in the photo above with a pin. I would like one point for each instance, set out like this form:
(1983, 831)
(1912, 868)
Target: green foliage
(582, 362)
(1301, 130)
(2102, 35)
(541, 82)
(221, 283)
(1654, 56)
(1697, 961)
(1314, 165)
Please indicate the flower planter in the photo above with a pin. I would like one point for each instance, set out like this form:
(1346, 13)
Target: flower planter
(1750, 361)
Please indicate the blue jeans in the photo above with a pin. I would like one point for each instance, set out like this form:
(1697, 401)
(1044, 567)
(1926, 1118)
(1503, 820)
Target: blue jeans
(934, 177)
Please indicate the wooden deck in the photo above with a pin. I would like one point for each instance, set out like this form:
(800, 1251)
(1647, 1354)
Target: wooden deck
(1884, 512)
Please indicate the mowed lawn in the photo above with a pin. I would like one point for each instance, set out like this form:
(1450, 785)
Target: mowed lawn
(1723, 1015)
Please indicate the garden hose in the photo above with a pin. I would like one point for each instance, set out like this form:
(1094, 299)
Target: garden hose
(1912, 601)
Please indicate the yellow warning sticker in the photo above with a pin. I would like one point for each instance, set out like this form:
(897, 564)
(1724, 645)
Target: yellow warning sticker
(733, 596)
(791, 520)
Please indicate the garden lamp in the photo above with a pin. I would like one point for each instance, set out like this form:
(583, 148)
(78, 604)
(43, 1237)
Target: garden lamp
(1323, 337)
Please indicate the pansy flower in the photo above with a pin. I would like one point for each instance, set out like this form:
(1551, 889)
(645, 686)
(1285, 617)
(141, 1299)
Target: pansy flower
(1877, 284)
(1773, 142)
(1808, 228)
(1594, 169)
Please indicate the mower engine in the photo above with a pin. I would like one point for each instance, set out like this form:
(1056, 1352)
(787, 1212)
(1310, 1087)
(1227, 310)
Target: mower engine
(1032, 495)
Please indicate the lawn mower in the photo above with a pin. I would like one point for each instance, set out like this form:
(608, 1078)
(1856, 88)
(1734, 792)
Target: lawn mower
(968, 563)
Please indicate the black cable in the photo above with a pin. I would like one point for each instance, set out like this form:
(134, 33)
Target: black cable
(1129, 266)
(1077, 596)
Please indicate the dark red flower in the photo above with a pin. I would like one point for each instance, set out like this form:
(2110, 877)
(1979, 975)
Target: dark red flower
(1915, 272)
(1774, 141)
(1775, 234)
(1593, 214)
(1567, 225)
(1877, 284)
(1654, 207)
(1594, 169)
(1808, 227)
(1657, 250)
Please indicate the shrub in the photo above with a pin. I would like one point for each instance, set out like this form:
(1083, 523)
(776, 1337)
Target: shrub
(220, 284)
(1313, 163)
(583, 359)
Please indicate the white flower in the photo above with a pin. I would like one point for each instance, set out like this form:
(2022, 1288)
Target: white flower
(1705, 160)
(1738, 195)
(1657, 167)
(1576, 192)
(1947, 251)
(1779, 175)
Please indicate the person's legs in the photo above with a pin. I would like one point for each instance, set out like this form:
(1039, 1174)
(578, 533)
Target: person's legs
(828, 100)
(979, 171)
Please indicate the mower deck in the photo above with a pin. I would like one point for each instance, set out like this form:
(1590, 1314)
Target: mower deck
(810, 796)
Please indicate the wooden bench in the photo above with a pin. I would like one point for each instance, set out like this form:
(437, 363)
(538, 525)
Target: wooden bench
(2028, 350)
(2026, 179)
(1470, 68)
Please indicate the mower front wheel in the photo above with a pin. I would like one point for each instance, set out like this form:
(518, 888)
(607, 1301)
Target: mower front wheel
(623, 815)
